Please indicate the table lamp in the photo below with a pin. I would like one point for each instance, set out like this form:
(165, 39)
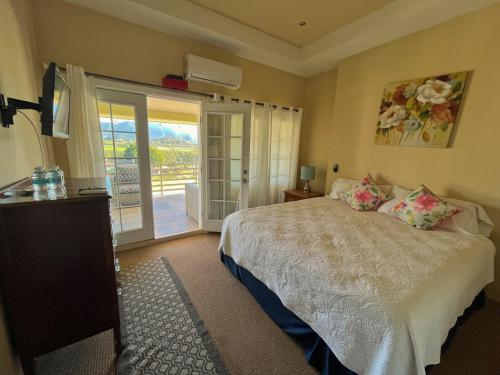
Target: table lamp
(307, 173)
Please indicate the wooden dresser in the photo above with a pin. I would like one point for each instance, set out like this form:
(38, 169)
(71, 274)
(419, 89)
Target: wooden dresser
(298, 194)
(57, 270)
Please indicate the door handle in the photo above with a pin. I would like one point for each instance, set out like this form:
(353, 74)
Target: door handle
(245, 171)
(244, 181)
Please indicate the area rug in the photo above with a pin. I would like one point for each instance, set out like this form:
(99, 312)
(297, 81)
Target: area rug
(162, 331)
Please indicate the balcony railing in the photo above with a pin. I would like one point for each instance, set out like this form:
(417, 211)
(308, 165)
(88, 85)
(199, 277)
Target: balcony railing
(166, 178)
(172, 178)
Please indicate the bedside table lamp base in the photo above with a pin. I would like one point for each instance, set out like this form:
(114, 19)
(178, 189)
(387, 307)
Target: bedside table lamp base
(307, 188)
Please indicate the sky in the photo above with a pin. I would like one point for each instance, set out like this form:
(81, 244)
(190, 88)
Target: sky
(178, 129)
(156, 129)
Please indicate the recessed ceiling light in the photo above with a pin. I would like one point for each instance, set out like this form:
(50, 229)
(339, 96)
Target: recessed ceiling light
(302, 23)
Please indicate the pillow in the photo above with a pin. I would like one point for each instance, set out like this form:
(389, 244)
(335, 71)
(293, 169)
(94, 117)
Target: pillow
(422, 209)
(398, 194)
(471, 220)
(363, 196)
(341, 184)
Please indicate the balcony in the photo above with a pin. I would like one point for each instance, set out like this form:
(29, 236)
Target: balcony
(170, 216)
(175, 198)
(174, 191)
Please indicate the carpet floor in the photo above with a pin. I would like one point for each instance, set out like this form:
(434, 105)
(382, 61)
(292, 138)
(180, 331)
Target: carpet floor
(250, 343)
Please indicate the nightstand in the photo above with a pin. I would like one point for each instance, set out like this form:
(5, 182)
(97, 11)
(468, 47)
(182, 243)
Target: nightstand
(298, 194)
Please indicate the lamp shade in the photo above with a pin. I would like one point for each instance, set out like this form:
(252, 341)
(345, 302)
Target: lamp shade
(307, 172)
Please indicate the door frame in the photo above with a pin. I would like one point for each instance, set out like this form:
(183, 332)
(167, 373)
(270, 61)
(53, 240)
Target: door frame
(236, 108)
(147, 90)
(159, 92)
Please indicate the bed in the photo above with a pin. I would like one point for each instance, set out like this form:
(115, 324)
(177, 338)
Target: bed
(380, 296)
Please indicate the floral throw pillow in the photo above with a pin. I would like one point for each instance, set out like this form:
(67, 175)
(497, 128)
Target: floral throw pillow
(364, 195)
(422, 209)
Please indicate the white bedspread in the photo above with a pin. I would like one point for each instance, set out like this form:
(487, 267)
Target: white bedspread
(381, 294)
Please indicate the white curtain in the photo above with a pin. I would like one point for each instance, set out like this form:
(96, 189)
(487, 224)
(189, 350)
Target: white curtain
(85, 151)
(284, 154)
(259, 187)
(274, 153)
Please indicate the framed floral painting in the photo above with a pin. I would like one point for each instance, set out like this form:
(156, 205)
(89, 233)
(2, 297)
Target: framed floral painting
(420, 112)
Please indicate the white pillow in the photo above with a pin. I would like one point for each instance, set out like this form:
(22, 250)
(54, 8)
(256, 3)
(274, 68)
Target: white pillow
(343, 184)
(398, 193)
(472, 220)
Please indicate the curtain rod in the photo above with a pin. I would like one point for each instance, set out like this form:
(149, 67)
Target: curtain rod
(173, 90)
(262, 104)
(97, 75)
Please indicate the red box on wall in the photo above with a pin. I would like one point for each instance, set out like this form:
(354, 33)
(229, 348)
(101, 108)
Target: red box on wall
(171, 81)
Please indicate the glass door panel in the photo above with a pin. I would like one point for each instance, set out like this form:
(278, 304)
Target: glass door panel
(215, 170)
(216, 211)
(215, 125)
(120, 116)
(234, 148)
(232, 191)
(119, 139)
(215, 147)
(227, 147)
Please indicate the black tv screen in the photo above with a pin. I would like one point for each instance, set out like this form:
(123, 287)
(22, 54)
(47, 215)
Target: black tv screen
(55, 104)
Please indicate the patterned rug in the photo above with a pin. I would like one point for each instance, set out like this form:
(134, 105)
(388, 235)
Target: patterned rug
(162, 331)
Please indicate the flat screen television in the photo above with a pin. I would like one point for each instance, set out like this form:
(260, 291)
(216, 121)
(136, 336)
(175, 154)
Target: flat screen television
(55, 104)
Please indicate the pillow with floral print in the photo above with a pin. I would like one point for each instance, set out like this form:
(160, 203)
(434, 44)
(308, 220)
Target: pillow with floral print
(422, 209)
(364, 195)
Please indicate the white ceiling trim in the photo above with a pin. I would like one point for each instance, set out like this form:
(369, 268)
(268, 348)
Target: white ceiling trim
(393, 21)
(186, 19)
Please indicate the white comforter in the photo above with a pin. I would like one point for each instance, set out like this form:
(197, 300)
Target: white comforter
(381, 294)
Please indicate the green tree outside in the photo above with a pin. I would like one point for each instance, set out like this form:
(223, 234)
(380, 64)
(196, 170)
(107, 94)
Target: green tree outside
(165, 156)
(156, 156)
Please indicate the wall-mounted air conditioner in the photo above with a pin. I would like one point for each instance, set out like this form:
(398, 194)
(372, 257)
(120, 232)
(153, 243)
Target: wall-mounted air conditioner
(212, 72)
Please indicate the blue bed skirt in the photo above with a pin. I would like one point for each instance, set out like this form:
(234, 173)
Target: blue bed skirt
(317, 353)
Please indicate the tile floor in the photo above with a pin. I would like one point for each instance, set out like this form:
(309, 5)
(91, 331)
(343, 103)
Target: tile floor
(169, 213)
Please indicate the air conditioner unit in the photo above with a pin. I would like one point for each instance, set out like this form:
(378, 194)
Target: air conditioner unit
(212, 72)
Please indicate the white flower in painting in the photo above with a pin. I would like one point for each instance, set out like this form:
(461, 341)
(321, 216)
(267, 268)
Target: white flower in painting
(434, 91)
(392, 116)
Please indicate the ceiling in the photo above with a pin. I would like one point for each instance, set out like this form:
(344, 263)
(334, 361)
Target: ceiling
(266, 31)
(161, 110)
(173, 105)
(280, 18)
(165, 110)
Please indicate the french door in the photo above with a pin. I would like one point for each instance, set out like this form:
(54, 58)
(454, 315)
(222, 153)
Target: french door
(124, 130)
(225, 161)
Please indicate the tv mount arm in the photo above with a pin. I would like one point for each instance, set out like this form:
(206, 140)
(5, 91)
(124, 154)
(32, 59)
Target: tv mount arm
(9, 109)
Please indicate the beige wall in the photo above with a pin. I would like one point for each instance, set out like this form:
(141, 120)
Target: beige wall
(19, 150)
(106, 45)
(316, 123)
(469, 169)
(19, 78)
